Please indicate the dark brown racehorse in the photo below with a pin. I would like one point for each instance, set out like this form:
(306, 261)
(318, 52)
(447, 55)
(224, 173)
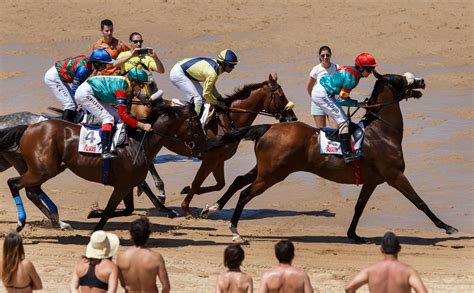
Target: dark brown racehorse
(282, 149)
(245, 104)
(49, 147)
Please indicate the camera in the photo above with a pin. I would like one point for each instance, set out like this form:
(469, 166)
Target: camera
(144, 51)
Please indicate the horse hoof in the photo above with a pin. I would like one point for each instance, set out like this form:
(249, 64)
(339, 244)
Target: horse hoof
(19, 226)
(356, 239)
(172, 214)
(239, 239)
(64, 226)
(162, 199)
(206, 211)
(451, 230)
(186, 190)
(95, 214)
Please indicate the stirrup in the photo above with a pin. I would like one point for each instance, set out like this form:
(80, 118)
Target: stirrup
(352, 157)
(109, 156)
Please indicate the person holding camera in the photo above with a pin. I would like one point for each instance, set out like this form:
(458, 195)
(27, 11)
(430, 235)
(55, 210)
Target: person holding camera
(143, 58)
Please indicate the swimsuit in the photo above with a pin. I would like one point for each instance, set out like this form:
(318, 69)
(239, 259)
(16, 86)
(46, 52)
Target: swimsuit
(91, 280)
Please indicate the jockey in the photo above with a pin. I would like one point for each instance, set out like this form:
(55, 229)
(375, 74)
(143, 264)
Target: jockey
(100, 94)
(187, 74)
(333, 91)
(74, 71)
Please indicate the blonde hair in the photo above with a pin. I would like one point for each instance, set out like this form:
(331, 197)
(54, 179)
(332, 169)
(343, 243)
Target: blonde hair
(13, 254)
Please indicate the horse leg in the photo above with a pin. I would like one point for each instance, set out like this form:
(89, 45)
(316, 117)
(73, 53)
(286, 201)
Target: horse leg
(37, 196)
(238, 183)
(402, 184)
(218, 173)
(204, 171)
(160, 185)
(157, 202)
(115, 198)
(129, 208)
(255, 189)
(365, 193)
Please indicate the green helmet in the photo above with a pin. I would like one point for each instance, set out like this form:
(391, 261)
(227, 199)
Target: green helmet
(138, 74)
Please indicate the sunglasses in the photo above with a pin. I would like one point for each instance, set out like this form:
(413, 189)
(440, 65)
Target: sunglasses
(325, 55)
(230, 65)
(368, 69)
(137, 41)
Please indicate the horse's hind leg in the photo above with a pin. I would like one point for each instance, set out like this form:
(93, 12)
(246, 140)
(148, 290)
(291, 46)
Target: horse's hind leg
(238, 183)
(129, 208)
(402, 184)
(365, 193)
(160, 185)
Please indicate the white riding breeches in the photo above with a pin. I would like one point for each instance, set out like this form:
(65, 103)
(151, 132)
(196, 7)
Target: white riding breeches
(190, 89)
(106, 113)
(328, 104)
(60, 89)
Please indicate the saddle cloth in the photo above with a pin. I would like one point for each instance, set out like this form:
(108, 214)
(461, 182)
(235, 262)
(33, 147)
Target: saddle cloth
(90, 141)
(329, 139)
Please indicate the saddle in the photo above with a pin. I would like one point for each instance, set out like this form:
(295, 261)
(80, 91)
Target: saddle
(90, 138)
(329, 142)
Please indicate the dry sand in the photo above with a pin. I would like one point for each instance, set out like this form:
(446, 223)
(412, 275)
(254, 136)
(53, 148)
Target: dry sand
(433, 39)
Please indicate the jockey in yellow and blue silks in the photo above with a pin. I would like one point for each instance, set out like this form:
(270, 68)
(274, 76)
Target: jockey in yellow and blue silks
(187, 75)
(100, 95)
(333, 91)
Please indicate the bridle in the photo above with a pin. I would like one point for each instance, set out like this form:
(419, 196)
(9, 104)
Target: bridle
(273, 100)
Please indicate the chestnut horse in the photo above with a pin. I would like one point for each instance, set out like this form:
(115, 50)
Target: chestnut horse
(245, 104)
(282, 149)
(49, 147)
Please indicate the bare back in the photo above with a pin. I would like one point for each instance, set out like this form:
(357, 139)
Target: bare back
(234, 282)
(285, 279)
(139, 268)
(390, 276)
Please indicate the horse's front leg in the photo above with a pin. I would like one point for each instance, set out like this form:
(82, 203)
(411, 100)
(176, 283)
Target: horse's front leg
(160, 185)
(115, 198)
(129, 209)
(365, 193)
(401, 183)
(218, 173)
(204, 170)
(37, 196)
(156, 202)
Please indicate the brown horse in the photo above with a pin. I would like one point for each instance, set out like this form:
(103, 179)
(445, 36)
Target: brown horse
(245, 104)
(49, 147)
(282, 149)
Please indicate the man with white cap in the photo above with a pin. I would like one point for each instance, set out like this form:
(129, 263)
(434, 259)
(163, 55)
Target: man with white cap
(96, 271)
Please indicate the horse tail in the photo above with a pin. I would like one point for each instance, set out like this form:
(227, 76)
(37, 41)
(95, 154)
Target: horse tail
(10, 137)
(253, 133)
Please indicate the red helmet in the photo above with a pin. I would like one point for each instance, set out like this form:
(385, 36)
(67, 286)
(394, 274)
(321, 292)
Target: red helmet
(365, 59)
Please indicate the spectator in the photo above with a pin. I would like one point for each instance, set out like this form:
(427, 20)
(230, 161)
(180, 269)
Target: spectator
(285, 278)
(325, 67)
(18, 273)
(143, 58)
(234, 280)
(96, 272)
(112, 45)
(139, 266)
(388, 275)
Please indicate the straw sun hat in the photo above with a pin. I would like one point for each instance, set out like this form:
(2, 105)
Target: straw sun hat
(102, 245)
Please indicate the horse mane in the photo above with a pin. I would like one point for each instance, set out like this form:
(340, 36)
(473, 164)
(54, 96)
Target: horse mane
(243, 92)
(159, 108)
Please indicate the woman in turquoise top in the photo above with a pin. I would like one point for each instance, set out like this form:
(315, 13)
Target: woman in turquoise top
(333, 91)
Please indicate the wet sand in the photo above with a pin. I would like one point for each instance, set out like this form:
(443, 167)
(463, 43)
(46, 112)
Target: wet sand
(282, 37)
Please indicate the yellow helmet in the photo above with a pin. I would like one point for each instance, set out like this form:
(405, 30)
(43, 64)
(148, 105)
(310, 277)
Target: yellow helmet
(228, 57)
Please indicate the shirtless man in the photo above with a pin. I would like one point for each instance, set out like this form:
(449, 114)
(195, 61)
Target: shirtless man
(234, 280)
(389, 275)
(139, 265)
(285, 278)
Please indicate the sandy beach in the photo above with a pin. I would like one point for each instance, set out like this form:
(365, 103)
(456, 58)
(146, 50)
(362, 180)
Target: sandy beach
(434, 40)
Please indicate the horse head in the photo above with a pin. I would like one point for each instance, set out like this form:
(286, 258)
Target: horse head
(402, 86)
(276, 102)
(191, 132)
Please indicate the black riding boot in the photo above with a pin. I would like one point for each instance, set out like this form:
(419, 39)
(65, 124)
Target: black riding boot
(69, 115)
(346, 148)
(106, 138)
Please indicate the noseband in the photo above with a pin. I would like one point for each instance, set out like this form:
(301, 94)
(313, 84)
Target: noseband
(279, 112)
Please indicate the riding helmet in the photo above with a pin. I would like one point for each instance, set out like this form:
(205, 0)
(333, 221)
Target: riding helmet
(365, 60)
(101, 56)
(138, 74)
(228, 57)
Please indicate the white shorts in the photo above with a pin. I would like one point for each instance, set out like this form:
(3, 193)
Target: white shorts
(106, 113)
(316, 110)
(60, 89)
(190, 89)
(328, 104)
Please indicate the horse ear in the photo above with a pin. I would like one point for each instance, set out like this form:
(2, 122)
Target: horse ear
(272, 78)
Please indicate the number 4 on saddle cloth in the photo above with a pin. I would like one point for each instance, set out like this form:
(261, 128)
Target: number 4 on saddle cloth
(90, 142)
(329, 139)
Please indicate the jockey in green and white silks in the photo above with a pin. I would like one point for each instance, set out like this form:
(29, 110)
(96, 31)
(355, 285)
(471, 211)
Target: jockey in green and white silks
(333, 91)
(188, 74)
(101, 94)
